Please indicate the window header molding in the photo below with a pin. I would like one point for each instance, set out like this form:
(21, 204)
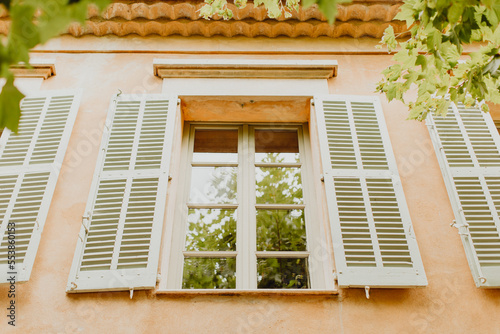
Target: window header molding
(245, 68)
(39, 68)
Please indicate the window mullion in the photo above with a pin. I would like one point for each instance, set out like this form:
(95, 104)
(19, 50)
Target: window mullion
(252, 220)
(241, 226)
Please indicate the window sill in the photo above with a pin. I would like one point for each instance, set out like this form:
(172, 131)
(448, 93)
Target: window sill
(260, 292)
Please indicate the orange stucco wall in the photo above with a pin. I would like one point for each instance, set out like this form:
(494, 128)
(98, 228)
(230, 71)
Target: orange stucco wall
(450, 304)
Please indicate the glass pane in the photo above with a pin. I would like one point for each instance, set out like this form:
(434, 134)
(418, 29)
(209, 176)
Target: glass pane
(213, 185)
(211, 230)
(282, 274)
(276, 146)
(281, 230)
(278, 185)
(209, 273)
(215, 145)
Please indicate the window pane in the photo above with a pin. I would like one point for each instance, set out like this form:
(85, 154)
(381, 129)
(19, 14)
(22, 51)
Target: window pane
(281, 230)
(278, 185)
(282, 274)
(209, 273)
(213, 185)
(276, 146)
(211, 230)
(215, 146)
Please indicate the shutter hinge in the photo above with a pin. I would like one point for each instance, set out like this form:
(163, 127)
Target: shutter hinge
(158, 278)
(170, 177)
(322, 178)
(312, 102)
(335, 277)
(131, 293)
(463, 229)
(178, 102)
(367, 292)
(85, 218)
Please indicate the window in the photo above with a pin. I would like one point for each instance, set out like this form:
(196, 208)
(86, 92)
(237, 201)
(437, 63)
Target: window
(228, 182)
(245, 217)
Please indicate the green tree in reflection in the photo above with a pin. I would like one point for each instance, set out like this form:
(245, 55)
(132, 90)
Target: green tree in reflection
(277, 230)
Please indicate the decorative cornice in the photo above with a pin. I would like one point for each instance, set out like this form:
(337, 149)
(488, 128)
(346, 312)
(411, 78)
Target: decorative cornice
(39, 68)
(249, 68)
(166, 18)
(236, 28)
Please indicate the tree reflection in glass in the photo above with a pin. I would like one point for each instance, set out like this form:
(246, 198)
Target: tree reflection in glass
(209, 273)
(282, 274)
(211, 230)
(278, 229)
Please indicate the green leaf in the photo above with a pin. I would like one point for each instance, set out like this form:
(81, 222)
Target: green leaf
(455, 11)
(10, 111)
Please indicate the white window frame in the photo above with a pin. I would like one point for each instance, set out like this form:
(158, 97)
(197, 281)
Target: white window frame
(277, 83)
(246, 253)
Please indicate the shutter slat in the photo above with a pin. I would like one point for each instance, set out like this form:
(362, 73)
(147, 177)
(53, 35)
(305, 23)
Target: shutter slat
(119, 244)
(369, 219)
(472, 177)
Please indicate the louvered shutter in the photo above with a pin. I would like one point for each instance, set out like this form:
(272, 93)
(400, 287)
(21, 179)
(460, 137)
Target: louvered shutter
(373, 239)
(119, 242)
(467, 145)
(29, 167)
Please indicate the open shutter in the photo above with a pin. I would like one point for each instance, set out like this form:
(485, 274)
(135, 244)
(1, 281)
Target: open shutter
(373, 239)
(119, 242)
(29, 167)
(467, 145)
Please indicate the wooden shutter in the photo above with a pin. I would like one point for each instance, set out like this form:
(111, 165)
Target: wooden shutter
(467, 145)
(373, 239)
(119, 242)
(29, 167)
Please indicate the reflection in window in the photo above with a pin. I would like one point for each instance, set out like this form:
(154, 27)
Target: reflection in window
(209, 273)
(216, 185)
(215, 212)
(278, 185)
(281, 230)
(215, 145)
(211, 230)
(282, 274)
(284, 144)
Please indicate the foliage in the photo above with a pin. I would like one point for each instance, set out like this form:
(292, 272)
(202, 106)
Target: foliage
(33, 22)
(275, 8)
(430, 58)
(277, 230)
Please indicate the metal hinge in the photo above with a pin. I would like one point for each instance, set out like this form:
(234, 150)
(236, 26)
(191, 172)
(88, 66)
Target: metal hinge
(85, 217)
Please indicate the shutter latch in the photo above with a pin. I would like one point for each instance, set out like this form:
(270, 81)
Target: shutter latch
(367, 292)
